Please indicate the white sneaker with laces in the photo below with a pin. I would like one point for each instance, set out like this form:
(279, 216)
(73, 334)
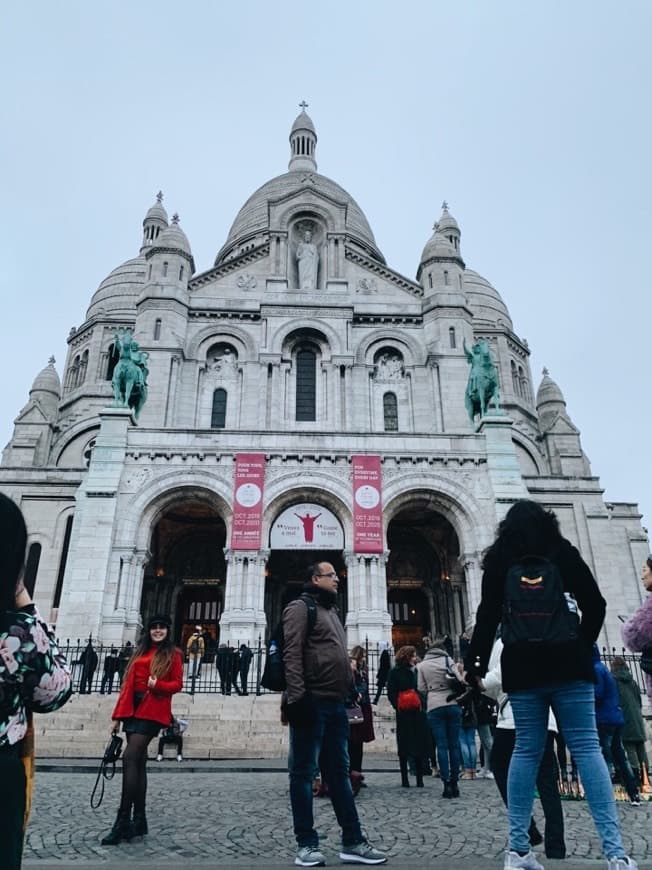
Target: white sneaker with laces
(309, 856)
(159, 758)
(514, 861)
(621, 864)
(179, 757)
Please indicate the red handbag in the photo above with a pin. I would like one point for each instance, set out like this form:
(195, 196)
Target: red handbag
(408, 699)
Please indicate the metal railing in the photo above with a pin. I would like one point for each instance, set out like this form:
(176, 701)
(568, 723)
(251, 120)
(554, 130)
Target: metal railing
(224, 671)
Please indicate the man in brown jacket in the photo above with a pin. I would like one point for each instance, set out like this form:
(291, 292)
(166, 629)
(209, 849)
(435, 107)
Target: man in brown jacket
(319, 679)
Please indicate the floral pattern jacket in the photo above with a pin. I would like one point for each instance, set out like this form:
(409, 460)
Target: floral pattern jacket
(34, 676)
(637, 634)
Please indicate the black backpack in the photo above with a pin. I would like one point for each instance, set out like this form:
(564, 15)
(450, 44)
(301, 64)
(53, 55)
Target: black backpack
(273, 677)
(535, 609)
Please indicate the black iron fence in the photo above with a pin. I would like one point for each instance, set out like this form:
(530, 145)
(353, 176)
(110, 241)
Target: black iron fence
(234, 670)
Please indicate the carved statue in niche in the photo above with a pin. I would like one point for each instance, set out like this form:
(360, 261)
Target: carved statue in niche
(389, 367)
(223, 361)
(307, 262)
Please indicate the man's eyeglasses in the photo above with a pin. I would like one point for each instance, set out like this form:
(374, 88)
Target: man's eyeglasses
(328, 574)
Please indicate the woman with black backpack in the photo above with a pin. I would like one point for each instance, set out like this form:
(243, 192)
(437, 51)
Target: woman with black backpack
(546, 662)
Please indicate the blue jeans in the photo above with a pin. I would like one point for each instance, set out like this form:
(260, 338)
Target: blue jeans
(614, 754)
(325, 745)
(444, 724)
(467, 745)
(574, 707)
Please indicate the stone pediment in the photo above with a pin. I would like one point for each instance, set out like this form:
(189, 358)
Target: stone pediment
(560, 425)
(31, 413)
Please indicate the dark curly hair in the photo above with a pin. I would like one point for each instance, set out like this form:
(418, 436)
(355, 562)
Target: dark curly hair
(527, 529)
(404, 655)
(13, 543)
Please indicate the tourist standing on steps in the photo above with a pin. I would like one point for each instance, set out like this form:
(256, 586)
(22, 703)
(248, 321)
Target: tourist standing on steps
(195, 649)
(384, 666)
(34, 678)
(88, 660)
(319, 679)
(153, 675)
(412, 738)
(634, 728)
(538, 676)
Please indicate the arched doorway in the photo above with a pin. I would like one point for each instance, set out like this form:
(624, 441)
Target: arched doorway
(426, 590)
(302, 534)
(187, 572)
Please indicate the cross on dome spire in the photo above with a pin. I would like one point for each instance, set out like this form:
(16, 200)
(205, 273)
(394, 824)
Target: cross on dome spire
(51, 361)
(444, 206)
(159, 196)
(175, 218)
(303, 142)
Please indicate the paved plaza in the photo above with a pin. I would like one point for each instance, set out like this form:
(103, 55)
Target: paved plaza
(237, 815)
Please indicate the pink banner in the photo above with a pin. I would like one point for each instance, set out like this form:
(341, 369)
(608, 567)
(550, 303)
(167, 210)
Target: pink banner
(248, 501)
(367, 505)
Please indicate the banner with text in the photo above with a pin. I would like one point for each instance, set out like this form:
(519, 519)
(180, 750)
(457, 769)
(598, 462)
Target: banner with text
(306, 527)
(367, 505)
(248, 501)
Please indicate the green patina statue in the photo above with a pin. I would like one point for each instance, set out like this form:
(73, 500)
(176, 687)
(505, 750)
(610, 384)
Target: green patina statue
(129, 379)
(482, 387)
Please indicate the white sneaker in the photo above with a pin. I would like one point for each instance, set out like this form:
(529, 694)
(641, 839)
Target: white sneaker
(514, 861)
(159, 758)
(309, 856)
(621, 864)
(179, 757)
(487, 774)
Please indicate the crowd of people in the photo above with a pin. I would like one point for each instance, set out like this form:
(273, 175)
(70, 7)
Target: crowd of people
(529, 685)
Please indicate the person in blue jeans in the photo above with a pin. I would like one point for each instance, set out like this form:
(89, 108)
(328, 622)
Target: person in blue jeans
(319, 680)
(610, 720)
(436, 677)
(555, 674)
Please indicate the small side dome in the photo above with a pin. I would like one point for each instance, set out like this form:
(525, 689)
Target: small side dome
(119, 291)
(157, 212)
(550, 399)
(174, 237)
(445, 240)
(47, 381)
(485, 301)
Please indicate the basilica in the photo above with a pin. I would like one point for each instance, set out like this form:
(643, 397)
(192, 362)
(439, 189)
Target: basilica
(298, 400)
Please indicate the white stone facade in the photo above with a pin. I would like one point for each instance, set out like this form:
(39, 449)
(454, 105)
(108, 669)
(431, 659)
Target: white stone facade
(386, 375)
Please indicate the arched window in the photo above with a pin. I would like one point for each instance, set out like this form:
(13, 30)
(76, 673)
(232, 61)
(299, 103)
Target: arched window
(306, 404)
(430, 280)
(112, 360)
(451, 337)
(514, 378)
(157, 329)
(31, 568)
(523, 384)
(165, 269)
(83, 365)
(73, 373)
(445, 276)
(218, 414)
(180, 273)
(390, 412)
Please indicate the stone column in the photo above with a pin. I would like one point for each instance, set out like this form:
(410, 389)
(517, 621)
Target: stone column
(85, 583)
(502, 462)
(243, 618)
(367, 617)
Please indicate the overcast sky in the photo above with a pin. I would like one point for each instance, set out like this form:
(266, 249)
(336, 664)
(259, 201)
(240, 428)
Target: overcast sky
(531, 118)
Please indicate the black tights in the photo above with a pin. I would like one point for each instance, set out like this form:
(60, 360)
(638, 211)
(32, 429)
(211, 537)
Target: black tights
(134, 774)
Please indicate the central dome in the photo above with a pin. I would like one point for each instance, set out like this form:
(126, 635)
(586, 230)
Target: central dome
(253, 218)
(251, 226)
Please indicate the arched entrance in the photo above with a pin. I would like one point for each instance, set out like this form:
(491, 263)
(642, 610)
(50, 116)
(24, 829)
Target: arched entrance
(426, 590)
(302, 534)
(186, 574)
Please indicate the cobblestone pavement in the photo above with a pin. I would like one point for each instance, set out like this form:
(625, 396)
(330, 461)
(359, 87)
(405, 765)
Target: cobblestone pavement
(225, 818)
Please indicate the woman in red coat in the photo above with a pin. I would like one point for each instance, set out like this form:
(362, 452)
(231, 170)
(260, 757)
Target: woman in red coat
(153, 675)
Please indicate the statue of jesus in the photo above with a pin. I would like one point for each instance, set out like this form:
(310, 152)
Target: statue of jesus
(307, 262)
